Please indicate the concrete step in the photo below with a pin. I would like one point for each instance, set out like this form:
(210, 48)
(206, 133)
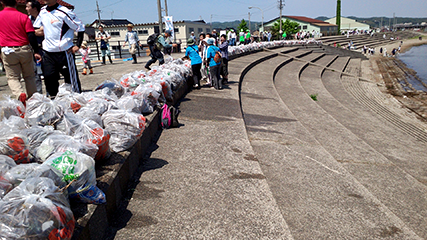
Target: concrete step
(369, 161)
(203, 180)
(317, 196)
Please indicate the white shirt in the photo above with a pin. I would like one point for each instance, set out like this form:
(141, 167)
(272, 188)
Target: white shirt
(131, 37)
(104, 35)
(58, 27)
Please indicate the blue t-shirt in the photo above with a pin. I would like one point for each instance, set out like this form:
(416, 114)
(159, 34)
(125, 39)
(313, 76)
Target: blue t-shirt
(211, 54)
(192, 52)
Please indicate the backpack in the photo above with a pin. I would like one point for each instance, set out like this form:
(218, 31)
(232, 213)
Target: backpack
(217, 57)
(152, 39)
(169, 117)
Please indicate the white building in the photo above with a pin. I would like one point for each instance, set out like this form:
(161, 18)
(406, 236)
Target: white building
(307, 24)
(182, 30)
(348, 24)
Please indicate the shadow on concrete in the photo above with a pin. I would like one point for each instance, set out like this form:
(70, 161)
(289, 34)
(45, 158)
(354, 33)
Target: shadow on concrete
(123, 215)
(257, 120)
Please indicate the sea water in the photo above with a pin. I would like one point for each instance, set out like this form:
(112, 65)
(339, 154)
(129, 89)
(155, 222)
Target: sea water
(416, 59)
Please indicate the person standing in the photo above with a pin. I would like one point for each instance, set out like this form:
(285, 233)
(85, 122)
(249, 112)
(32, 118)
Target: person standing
(85, 51)
(17, 41)
(33, 8)
(157, 47)
(193, 37)
(248, 37)
(58, 24)
(224, 59)
(103, 38)
(133, 40)
(202, 47)
(232, 38)
(192, 52)
(241, 37)
(213, 66)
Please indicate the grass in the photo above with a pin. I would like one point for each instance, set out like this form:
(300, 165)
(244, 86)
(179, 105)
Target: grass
(314, 97)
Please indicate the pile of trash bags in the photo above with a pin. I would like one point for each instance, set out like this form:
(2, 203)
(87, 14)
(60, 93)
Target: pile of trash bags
(48, 150)
(234, 50)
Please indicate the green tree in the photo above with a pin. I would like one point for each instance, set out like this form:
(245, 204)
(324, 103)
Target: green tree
(290, 27)
(242, 26)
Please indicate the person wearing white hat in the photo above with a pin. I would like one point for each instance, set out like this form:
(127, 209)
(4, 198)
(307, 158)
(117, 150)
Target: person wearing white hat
(85, 51)
(132, 38)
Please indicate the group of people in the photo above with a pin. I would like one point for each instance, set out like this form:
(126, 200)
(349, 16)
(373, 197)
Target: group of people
(209, 59)
(20, 37)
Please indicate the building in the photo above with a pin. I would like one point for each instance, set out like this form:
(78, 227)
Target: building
(21, 5)
(117, 28)
(348, 24)
(307, 24)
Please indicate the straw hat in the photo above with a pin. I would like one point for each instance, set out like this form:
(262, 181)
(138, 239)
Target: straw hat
(130, 25)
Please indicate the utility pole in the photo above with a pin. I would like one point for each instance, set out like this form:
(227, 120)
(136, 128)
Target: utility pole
(166, 7)
(280, 7)
(99, 14)
(211, 22)
(249, 21)
(159, 9)
(338, 17)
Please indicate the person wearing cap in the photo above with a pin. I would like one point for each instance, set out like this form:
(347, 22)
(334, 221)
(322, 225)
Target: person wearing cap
(193, 36)
(155, 50)
(85, 51)
(215, 37)
(192, 52)
(241, 37)
(133, 40)
(248, 37)
(232, 37)
(213, 66)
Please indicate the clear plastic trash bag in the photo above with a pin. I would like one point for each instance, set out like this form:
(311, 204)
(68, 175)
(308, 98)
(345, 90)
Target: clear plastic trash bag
(42, 111)
(91, 132)
(59, 143)
(77, 170)
(125, 128)
(36, 209)
(6, 163)
(11, 107)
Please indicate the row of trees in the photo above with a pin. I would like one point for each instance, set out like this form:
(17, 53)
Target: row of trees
(288, 27)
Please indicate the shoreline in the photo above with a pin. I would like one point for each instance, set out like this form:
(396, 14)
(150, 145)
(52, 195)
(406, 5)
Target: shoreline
(388, 76)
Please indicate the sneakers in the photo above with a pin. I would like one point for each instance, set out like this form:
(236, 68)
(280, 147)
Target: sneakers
(84, 71)
(148, 68)
(91, 71)
(23, 98)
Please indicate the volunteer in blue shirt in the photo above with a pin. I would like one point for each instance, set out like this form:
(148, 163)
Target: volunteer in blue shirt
(213, 66)
(192, 52)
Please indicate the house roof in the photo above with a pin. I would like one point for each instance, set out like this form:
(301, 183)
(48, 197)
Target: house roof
(305, 19)
(111, 22)
(153, 23)
(60, 2)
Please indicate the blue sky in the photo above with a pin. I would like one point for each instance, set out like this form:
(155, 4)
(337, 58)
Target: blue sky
(138, 11)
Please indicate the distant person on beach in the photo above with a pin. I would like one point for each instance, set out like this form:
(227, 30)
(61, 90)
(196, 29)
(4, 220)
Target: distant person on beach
(385, 52)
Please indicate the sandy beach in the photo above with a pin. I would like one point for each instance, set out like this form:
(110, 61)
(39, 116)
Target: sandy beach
(388, 72)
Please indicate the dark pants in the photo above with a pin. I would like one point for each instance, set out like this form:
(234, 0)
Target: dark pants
(197, 75)
(59, 62)
(224, 68)
(214, 73)
(155, 55)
